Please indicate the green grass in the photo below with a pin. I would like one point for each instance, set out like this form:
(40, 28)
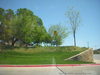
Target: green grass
(40, 55)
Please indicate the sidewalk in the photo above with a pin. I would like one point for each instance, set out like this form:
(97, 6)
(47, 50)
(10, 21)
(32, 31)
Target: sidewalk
(61, 70)
(97, 61)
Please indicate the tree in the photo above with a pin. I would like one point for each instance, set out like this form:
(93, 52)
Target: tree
(9, 14)
(24, 12)
(39, 34)
(6, 32)
(17, 27)
(58, 33)
(1, 22)
(21, 26)
(29, 26)
(47, 39)
(74, 19)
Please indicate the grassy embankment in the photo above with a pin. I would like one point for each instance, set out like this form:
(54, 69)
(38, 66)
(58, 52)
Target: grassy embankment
(39, 55)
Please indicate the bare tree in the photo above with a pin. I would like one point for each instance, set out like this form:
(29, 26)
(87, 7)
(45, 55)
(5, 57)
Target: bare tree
(74, 20)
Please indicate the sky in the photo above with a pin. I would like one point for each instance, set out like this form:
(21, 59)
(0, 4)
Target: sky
(53, 12)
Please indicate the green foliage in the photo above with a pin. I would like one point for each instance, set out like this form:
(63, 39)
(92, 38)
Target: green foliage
(21, 26)
(5, 27)
(24, 12)
(58, 33)
(24, 27)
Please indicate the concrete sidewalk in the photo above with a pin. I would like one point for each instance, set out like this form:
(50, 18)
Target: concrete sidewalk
(96, 58)
(29, 71)
(64, 70)
(97, 61)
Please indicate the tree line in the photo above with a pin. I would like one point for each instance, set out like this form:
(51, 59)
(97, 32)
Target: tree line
(22, 27)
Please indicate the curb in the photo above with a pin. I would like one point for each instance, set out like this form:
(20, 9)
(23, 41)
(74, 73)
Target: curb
(63, 65)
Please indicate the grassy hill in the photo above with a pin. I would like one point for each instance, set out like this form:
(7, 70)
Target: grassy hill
(39, 55)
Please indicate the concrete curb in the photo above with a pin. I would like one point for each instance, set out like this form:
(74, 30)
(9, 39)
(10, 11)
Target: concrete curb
(61, 65)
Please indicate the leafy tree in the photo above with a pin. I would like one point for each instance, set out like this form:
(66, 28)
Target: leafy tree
(22, 26)
(9, 14)
(22, 29)
(17, 27)
(74, 19)
(47, 39)
(1, 22)
(58, 33)
(39, 34)
(24, 12)
(5, 24)
(29, 26)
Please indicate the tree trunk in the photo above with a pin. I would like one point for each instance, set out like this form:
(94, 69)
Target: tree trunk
(13, 41)
(74, 35)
